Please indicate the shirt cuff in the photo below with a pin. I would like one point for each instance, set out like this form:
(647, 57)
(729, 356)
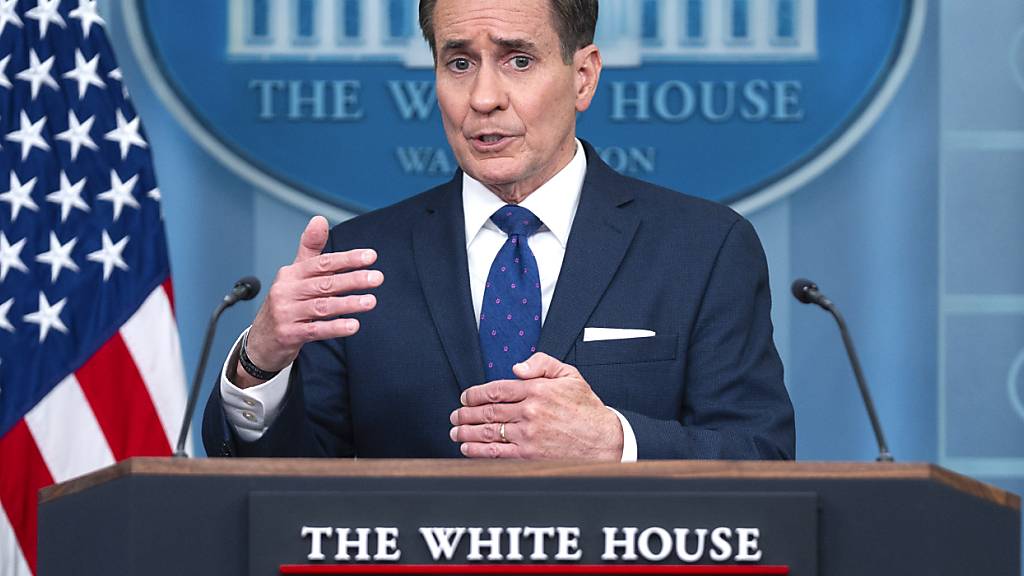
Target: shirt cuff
(628, 438)
(252, 410)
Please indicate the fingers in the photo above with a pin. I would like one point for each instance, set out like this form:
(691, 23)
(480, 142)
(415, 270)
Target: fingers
(483, 433)
(492, 450)
(551, 412)
(486, 414)
(327, 329)
(313, 239)
(540, 365)
(334, 262)
(333, 284)
(310, 261)
(479, 430)
(498, 391)
(306, 299)
(323, 308)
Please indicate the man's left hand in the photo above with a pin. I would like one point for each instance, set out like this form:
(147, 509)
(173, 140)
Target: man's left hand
(549, 413)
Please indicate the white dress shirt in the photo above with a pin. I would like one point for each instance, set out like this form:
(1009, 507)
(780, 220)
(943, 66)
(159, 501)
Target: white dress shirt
(253, 410)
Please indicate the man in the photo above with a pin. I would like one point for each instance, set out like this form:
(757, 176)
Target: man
(638, 326)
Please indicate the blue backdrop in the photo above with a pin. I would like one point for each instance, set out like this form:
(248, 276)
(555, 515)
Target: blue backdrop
(916, 233)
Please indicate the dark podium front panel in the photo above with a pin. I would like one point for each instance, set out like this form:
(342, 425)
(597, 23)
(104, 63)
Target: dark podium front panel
(264, 517)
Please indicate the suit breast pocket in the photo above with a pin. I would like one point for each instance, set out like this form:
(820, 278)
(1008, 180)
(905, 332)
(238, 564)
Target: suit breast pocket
(627, 351)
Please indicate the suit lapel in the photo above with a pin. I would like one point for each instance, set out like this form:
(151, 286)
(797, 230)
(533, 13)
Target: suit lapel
(439, 248)
(601, 233)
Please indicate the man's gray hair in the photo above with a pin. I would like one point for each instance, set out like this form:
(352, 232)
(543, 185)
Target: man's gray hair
(575, 22)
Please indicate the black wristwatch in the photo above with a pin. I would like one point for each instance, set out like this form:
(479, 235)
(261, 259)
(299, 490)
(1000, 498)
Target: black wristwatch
(247, 364)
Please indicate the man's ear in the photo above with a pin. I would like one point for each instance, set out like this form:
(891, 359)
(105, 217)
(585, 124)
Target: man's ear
(586, 65)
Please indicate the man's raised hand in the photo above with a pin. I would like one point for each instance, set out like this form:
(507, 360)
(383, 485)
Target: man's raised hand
(308, 301)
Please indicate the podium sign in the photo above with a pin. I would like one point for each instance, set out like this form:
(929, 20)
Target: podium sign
(521, 532)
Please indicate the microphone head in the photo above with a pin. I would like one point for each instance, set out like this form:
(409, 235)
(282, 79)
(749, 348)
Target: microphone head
(804, 290)
(247, 288)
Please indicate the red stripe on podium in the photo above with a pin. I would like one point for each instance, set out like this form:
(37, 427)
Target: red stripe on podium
(513, 569)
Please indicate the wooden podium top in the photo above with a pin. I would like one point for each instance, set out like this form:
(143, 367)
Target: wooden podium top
(458, 468)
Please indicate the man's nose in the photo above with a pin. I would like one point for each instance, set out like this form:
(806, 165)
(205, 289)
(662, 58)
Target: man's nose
(489, 92)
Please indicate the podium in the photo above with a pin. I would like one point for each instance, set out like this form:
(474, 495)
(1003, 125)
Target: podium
(293, 516)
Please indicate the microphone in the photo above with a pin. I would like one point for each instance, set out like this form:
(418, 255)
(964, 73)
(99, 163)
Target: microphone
(807, 292)
(245, 289)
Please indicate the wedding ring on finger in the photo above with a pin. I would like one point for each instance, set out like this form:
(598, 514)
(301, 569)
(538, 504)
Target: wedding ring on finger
(501, 433)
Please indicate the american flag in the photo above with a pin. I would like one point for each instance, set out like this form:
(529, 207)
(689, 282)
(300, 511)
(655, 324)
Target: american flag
(90, 363)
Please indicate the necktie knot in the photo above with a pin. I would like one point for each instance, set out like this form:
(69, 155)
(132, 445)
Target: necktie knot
(516, 220)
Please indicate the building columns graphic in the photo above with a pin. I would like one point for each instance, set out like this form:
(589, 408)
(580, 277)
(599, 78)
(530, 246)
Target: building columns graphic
(619, 32)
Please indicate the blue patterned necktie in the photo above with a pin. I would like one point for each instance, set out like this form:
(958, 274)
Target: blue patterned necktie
(510, 315)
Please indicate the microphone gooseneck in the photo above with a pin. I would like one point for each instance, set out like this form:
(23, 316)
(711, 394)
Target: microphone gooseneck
(245, 289)
(807, 292)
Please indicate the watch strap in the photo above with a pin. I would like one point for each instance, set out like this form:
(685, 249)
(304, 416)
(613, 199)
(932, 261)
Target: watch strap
(249, 366)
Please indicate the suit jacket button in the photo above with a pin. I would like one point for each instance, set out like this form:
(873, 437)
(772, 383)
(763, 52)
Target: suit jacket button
(225, 449)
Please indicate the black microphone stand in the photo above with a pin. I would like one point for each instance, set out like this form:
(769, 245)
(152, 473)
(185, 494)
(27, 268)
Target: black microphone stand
(883, 448)
(197, 378)
(807, 292)
(245, 289)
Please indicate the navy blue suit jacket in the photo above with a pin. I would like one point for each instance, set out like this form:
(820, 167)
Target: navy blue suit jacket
(708, 385)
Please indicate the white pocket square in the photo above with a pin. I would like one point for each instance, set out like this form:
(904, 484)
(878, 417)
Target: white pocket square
(598, 334)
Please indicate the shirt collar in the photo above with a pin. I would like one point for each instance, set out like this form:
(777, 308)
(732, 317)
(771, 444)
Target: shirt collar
(554, 203)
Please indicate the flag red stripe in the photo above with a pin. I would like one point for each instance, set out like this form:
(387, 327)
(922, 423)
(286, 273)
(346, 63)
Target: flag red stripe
(169, 289)
(121, 402)
(25, 473)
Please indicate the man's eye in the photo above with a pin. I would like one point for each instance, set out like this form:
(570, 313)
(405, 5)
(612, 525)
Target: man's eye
(521, 62)
(459, 64)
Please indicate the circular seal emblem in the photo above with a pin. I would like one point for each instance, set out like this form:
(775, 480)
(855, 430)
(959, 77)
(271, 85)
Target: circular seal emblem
(322, 101)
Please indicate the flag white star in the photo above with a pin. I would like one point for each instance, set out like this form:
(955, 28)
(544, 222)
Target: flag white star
(115, 74)
(110, 255)
(4, 80)
(10, 256)
(155, 195)
(126, 134)
(45, 12)
(86, 12)
(85, 73)
(120, 193)
(38, 73)
(48, 317)
(77, 134)
(68, 196)
(30, 136)
(58, 256)
(19, 196)
(5, 308)
(9, 14)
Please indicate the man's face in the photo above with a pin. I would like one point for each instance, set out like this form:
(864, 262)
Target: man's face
(508, 100)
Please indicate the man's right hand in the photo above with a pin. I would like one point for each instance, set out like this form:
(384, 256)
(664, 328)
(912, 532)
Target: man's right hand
(305, 302)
